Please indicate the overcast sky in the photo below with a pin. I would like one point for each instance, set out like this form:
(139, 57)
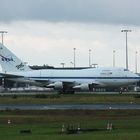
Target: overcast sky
(46, 31)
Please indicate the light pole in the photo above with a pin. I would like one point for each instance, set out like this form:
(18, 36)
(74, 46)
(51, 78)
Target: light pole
(89, 57)
(126, 31)
(2, 32)
(63, 64)
(136, 61)
(74, 49)
(114, 58)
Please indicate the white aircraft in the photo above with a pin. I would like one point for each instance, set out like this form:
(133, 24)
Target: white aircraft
(64, 80)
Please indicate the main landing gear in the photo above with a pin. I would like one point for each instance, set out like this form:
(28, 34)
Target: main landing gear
(66, 91)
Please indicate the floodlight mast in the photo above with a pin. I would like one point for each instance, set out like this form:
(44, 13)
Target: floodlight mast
(126, 31)
(114, 58)
(2, 33)
(89, 57)
(136, 61)
(74, 49)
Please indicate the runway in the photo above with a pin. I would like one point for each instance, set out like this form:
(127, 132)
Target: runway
(70, 106)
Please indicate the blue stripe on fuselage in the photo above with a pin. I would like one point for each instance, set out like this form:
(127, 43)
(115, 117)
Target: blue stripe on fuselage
(87, 77)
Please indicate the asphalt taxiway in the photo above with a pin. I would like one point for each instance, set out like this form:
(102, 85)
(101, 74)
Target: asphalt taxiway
(69, 106)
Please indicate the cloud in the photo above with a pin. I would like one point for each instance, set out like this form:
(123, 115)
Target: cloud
(46, 31)
(52, 43)
(86, 11)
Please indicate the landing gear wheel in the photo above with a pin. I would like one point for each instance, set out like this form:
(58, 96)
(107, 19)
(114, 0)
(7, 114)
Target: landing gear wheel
(66, 92)
(120, 92)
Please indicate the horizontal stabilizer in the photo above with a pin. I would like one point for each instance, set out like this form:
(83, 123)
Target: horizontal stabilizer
(5, 75)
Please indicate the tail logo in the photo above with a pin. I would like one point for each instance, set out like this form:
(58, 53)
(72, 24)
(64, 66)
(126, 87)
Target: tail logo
(6, 59)
(21, 65)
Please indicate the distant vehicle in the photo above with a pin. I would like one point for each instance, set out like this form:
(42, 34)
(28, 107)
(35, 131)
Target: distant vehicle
(63, 80)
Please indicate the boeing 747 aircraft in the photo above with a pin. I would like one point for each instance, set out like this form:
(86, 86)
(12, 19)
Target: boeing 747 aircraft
(62, 80)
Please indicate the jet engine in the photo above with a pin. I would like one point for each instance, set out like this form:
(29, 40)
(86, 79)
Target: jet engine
(56, 85)
(83, 87)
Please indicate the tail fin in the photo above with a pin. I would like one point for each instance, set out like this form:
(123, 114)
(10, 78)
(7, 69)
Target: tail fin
(9, 62)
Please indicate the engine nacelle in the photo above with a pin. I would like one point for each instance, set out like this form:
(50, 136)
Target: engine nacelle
(83, 87)
(56, 85)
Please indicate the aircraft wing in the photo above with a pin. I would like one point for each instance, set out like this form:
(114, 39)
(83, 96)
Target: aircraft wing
(20, 78)
(49, 84)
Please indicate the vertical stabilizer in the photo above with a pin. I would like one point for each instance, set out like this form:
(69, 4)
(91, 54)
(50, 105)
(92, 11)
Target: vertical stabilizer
(9, 62)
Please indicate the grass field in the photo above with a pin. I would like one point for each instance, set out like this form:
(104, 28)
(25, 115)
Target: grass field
(48, 124)
(78, 98)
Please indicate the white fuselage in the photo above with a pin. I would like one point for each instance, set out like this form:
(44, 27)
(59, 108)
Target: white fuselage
(98, 76)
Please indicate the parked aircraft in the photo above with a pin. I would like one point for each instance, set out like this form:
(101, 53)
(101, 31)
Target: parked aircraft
(63, 80)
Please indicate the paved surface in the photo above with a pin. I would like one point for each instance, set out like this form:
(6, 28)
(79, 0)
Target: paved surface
(70, 106)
